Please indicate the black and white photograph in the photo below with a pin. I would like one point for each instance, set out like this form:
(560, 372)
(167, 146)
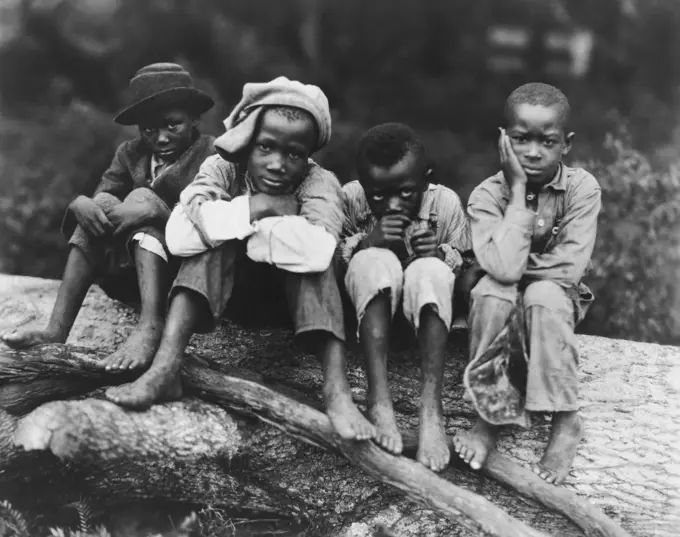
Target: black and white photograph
(323, 268)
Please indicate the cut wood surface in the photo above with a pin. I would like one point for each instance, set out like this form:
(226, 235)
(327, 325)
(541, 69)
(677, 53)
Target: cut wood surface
(628, 465)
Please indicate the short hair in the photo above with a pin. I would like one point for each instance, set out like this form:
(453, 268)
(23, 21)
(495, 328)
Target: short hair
(537, 93)
(387, 144)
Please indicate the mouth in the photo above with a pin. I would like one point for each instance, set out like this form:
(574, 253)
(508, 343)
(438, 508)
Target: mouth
(166, 153)
(533, 172)
(274, 184)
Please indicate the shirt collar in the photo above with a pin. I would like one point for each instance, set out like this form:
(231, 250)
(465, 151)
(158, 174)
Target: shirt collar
(559, 182)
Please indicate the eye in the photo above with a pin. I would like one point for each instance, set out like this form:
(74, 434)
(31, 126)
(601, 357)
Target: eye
(265, 147)
(172, 127)
(295, 155)
(377, 197)
(406, 193)
(519, 138)
(549, 143)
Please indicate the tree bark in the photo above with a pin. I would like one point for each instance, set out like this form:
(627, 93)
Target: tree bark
(290, 479)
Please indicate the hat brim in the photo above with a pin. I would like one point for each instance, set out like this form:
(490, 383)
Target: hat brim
(198, 101)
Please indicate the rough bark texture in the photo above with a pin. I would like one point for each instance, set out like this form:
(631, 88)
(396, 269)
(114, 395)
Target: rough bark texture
(628, 465)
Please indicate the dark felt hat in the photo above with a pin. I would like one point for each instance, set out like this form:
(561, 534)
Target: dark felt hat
(161, 84)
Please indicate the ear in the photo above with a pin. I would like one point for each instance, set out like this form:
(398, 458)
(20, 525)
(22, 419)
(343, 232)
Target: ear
(568, 139)
(428, 174)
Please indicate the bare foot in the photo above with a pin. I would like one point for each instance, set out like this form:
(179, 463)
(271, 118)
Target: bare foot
(139, 348)
(347, 421)
(433, 447)
(565, 437)
(474, 445)
(387, 432)
(154, 386)
(22, 339)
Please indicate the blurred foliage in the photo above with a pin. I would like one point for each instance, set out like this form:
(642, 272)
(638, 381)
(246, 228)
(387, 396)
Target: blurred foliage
(65, 65)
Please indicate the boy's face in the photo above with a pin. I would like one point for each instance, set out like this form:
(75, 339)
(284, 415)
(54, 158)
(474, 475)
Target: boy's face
(280, 149)
(398, 189)
(168, 132)
(538, 139)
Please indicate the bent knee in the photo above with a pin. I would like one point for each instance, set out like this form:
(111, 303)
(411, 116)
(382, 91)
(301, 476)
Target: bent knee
(490, 287)
(547, 294)
(374, 269)
(428, 269)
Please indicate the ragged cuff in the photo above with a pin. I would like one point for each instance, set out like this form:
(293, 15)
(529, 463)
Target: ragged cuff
(452, 257)
(348, 246)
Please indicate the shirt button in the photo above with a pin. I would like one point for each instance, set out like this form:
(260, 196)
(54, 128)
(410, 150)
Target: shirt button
(541, 222)
(531, 196)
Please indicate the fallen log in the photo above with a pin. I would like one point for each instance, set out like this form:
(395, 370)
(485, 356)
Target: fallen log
(346, 499)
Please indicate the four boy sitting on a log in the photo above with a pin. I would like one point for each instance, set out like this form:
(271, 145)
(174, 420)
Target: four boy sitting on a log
(260, 214)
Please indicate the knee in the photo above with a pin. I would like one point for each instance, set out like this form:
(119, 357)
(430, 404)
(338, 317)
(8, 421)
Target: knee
(374, 269)
(141, 195)
(488, 287)
(546, 294)
(105, 200)
(431, 270)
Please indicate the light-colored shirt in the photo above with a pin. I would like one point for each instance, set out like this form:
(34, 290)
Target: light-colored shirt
(215, 208)
(440, 209)
(551, 238)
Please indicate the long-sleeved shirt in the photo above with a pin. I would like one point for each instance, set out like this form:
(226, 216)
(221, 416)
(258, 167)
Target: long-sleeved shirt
(215, 208)
(551, 238)
(440, 209)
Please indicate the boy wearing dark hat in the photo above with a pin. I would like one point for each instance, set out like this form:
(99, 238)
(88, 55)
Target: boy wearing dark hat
(259, 210)
(117, 235)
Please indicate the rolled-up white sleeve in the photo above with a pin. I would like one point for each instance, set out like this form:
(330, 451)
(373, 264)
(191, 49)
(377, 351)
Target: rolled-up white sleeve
(221, 221)
(291, 243)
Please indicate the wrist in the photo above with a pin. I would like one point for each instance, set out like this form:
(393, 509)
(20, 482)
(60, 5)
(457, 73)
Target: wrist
(518, 192)
(258, 208)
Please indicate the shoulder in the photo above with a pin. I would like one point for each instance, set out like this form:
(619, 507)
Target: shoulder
(131, 148)
(492, 189)
(353, 191)
(443, 196)
(580, 180)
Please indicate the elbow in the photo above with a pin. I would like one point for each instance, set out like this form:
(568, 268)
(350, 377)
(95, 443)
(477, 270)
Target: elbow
(505, 275)
(323, 255)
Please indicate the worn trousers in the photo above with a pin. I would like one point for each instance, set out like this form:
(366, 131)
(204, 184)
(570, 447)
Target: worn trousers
(226, 278)
(549, 319)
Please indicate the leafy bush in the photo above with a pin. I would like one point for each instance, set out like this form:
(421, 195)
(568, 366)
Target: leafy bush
(637, 256)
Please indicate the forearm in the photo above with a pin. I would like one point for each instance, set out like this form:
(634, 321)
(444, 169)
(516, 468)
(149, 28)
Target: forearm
(292, 243)
(502, 242)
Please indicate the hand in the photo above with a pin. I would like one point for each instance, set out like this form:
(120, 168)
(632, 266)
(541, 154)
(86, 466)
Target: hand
(91, 216)
(126, 217)
(424, 243)
(264, 205)
(512, 169)
(389, 230)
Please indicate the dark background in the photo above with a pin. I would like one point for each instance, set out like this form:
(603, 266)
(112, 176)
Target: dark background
(443, 66)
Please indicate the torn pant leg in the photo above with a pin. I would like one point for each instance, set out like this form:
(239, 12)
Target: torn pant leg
(428, 281)
(372, 271)
(491, 304)
(552, 383)
(210, 275)
(314, 302)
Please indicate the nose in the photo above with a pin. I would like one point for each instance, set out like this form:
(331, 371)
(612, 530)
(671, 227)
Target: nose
(162, 137)
(275, 162)
(394, 205)
(533, 151)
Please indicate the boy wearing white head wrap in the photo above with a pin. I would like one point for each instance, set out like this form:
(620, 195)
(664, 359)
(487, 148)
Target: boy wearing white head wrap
(260, 207)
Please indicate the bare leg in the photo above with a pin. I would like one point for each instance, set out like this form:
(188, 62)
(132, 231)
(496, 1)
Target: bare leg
(77, 279)
(474, 445)
(433, 449)
(140, 347)
(161, 381)
(348, 422)
(374, 335)
(565, 437)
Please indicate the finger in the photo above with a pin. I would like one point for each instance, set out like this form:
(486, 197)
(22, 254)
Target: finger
(422, 233)
(398, 219)
(104, 221)
(95, 228)
(501, 145)
(426, 240)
